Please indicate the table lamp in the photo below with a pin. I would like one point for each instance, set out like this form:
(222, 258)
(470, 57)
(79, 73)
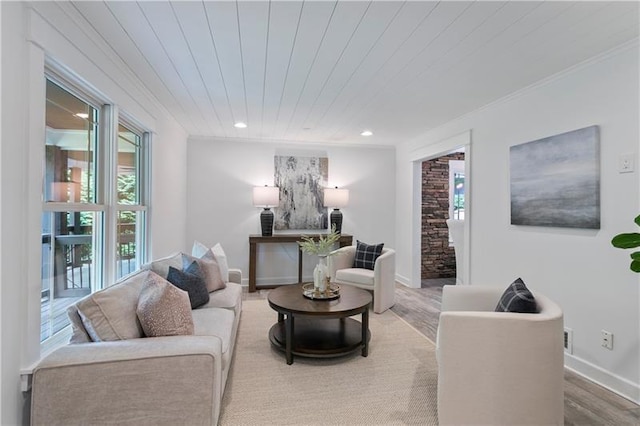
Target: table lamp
(266, 197)
(336, 198)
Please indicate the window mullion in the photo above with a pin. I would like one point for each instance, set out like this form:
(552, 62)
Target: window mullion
(109, 150)
(143, 238)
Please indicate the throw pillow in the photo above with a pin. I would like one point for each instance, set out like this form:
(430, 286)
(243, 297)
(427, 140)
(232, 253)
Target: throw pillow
(210, 270)
(191, 281)
(221, 258)
(517, 298)
(164, 309)
(366, 255)
(200, 250)
(110, 314)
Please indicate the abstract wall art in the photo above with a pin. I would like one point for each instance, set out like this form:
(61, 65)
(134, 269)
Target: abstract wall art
(555, 181)
(301, 181)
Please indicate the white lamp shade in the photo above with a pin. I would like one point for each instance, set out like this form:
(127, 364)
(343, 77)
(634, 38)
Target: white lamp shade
(266, 196)
(337, 198)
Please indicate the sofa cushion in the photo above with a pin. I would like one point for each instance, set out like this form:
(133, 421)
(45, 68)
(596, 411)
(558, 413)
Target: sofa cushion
(366, 255)
(355, 275)
(200, 250)
(110, 314)
(161, 266)
(209, 267)
(214, 322)
(517, 298)
(163, 309)
(192, 281)
(229, 297)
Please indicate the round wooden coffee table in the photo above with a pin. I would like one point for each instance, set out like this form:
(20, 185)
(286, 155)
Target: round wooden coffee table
(319, 328)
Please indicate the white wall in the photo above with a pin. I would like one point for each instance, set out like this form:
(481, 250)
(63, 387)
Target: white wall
(577, 268)
(31, 34)
(221, 177)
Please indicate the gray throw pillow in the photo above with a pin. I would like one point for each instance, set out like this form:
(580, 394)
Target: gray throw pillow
(366, 255)
(517, 298)
(191, 281)
(209, 267)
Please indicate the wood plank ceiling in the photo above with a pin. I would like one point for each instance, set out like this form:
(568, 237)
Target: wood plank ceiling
(324, 71)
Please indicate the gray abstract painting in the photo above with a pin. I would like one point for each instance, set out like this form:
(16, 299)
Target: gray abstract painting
(301, 181)
(555, 181)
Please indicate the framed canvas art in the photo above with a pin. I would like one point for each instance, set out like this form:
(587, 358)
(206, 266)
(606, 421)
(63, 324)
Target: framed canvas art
(555, 181)
(301, 181)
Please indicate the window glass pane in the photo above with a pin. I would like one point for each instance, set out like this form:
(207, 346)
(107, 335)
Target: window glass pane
(127, 255)
(71, 135)
(458, 196)
(68, 265)
(128, 170)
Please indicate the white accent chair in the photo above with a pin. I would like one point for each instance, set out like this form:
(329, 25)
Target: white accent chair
(498, 368)
(456, 228)
(381, 280)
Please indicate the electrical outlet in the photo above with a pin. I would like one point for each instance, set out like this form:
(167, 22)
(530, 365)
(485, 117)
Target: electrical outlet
(568, 340)
(607, 339)
(626, 163)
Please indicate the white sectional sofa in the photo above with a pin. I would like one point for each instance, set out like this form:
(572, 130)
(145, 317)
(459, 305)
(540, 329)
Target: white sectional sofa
(134, 379)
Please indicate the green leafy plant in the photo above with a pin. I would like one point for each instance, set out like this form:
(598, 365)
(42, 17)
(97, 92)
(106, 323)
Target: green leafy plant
(323, 246)
(627, 241)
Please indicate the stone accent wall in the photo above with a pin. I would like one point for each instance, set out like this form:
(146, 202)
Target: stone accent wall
(438, 259)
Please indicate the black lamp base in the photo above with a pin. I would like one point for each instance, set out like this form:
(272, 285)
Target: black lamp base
(336, 220)
(266, 222)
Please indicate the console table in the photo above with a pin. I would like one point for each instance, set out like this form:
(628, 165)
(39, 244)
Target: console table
(255, 239)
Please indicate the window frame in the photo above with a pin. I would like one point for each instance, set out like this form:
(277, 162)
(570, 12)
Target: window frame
(105, 203)
(455, 167)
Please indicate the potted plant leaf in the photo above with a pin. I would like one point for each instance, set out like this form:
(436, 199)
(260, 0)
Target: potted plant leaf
(321, 248)
(627, 241)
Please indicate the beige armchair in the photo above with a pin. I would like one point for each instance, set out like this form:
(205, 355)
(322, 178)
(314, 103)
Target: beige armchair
(381, 280)
(498, 368)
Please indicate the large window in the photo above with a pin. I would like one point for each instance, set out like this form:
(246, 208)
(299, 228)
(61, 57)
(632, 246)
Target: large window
(94, 210)
(131, 208)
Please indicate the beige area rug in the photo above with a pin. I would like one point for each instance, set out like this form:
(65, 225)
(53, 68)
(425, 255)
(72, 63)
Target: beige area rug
(395, 385)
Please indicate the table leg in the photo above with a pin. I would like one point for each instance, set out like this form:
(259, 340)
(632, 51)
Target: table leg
(280, 317)
(299, 265)
(288, 324)
(252, 267)
(365, 333)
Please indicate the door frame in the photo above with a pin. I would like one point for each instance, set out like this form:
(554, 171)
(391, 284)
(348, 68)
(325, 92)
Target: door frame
(443, 147)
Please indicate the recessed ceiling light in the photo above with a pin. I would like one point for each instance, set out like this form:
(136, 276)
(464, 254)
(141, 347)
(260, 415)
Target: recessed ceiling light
(240, 125)
(82, 115)
(366, 133)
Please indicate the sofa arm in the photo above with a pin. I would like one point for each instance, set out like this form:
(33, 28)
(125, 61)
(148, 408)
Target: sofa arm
(235, 276)
(340, 259)
(118, 382)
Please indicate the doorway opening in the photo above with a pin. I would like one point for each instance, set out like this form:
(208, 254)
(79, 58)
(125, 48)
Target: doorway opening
(443, 198)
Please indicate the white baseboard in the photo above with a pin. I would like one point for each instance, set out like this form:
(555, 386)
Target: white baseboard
(604, 378)
(404, 280)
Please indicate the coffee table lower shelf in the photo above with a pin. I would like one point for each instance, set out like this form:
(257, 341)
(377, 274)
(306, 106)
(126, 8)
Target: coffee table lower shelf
(325, 338)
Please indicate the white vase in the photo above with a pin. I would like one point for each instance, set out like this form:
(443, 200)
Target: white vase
(320, 274)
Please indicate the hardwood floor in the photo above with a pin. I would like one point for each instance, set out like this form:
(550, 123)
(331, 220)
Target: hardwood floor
(585, 403)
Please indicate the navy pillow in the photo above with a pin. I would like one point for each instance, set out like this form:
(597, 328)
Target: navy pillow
(191, 281)
(517, 298)
(366, 255)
